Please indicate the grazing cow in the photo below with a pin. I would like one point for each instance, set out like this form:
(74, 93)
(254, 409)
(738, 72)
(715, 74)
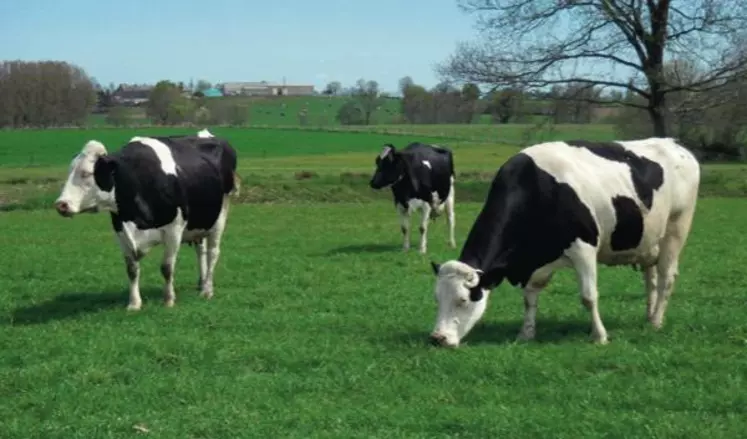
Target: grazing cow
(421, 177)
(158, 190)
(573, 204)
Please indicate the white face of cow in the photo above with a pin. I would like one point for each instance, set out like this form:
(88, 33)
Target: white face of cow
(457, 311)
(80, 193)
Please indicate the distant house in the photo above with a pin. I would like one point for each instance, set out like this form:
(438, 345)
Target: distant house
(131, 95)
(264, 88)
(211, 92)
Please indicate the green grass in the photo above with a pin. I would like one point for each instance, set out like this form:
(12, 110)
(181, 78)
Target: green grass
(318, 329)
(307, 166)
(282, 110)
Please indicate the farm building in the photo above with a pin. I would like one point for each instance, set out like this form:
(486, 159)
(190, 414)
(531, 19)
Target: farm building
(264, 88)
(131, 95)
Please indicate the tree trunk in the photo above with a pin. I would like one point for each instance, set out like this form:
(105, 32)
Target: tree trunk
(656, 112)
(658, 122)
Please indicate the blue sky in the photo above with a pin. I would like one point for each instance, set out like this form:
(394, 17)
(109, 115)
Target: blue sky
(233, 40)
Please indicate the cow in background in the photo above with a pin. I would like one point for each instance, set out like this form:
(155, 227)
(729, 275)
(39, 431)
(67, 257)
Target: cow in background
(421, 177)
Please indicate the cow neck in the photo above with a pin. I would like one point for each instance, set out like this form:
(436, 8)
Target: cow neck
(484, 242)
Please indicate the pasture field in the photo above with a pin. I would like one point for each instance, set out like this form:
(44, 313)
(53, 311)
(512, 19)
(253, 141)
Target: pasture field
(275, 164)
(277, 111)
(318, 329)
(307, 166)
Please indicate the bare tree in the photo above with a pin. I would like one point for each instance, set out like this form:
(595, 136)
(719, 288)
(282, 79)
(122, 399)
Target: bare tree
(620, 44)
(368, 97)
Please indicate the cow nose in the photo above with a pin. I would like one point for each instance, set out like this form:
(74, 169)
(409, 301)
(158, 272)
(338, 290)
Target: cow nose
(437, 339)
(62, 207)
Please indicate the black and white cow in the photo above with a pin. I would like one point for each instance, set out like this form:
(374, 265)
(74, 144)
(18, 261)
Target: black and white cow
(573, 204)
(421, 177)
(158, 190)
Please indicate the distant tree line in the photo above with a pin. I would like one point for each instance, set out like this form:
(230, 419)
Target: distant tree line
(44, 93)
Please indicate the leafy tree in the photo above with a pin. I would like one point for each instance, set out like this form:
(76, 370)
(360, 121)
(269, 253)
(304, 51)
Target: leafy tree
(160, 99)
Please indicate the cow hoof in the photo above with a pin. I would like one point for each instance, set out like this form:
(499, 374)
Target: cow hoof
(452, 244)
(600, 340)
(422, 251)
(168, 303)
(134, 307)
(207, 295)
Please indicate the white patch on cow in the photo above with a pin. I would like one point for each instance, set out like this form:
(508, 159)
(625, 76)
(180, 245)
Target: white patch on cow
(427, 164)
(385, 152)
(168, 165)
(204, 133)
(597, 180)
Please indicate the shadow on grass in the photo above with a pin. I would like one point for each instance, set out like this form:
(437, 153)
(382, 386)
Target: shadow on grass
(70, 305)
(364, 248)
(548, 330)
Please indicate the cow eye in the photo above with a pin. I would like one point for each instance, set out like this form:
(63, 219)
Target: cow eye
(86, 174)
(461, 301)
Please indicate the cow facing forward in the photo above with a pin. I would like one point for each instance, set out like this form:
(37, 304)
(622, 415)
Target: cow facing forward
(158, 190)
(421, 177)
(573, 204)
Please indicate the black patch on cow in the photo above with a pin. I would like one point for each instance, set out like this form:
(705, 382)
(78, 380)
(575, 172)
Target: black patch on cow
(167, 271)
(131, 266)
(149, 198)
(647, 175)
(410, 178)
(527, 221)
(629, 226)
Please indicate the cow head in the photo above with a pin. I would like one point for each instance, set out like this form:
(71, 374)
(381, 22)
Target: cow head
(389, 168)
(82, 191)
(461, 302)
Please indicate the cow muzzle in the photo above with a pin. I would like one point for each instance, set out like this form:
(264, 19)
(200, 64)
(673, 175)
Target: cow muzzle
(441, 340)
(63, 208)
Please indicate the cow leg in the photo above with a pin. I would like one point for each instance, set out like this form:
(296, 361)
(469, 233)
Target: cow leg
(213, 251)
(531, 299)
(133, 274)
(171, 242)
(450, 215)
(201, 250)
(668, 263)
(427, 209)
(404, 220)
(585, 263)
(649, 277)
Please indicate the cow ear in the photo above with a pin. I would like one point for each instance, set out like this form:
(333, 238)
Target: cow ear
(388, 151)
(436, 267)
(103, 172)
